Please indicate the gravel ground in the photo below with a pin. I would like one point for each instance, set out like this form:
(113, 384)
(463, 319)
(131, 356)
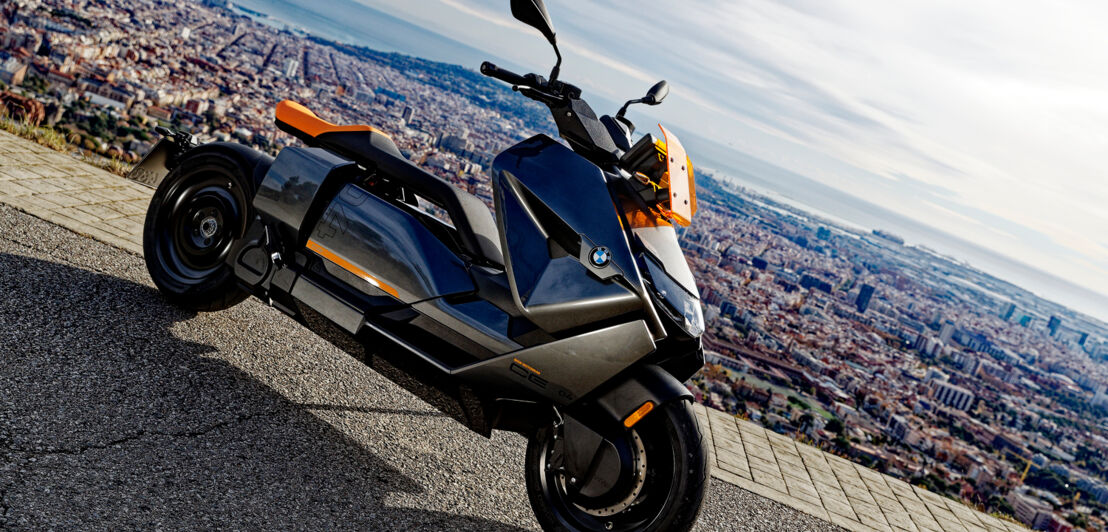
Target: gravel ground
(118, 411)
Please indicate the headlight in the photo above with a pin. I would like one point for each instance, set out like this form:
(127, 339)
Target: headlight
(680, 304)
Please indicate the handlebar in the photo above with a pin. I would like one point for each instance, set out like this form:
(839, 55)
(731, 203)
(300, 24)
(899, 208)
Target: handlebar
(576, 121)
(501, 74)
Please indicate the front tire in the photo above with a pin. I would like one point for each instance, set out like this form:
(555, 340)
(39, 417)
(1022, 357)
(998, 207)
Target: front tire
(671, 490)
(195, 216)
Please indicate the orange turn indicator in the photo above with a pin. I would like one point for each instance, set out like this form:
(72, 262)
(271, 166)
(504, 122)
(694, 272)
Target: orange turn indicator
(638, 414)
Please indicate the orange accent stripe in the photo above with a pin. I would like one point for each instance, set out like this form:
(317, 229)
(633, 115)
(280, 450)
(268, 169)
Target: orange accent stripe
(637, 415)
(520, 362)
(303, 119)
(346, 265)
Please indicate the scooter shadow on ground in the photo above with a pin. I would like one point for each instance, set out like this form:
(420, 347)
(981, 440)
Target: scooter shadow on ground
(107, 420)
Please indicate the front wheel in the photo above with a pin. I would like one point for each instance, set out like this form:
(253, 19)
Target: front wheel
(664, 488)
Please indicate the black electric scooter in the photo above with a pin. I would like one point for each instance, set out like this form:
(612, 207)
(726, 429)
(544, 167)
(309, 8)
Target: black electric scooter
(571, 317)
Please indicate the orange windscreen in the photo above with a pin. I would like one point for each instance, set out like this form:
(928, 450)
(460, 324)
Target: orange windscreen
(637, 215)
(682, 194)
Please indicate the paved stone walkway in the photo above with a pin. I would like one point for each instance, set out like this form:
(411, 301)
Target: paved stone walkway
(62, 190)
(829, 487)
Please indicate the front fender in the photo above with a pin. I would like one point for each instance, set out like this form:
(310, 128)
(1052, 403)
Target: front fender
(603, 413)
(648, 383)
(590, 428)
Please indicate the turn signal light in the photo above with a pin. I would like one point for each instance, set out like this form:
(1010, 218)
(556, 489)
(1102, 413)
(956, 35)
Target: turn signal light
(638, 414)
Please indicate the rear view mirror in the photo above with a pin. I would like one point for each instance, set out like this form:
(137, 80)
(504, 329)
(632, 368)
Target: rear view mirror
(533, 13)
(654, 96)
(657, 93)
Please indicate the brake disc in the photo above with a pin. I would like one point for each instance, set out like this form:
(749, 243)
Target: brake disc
(640, 479)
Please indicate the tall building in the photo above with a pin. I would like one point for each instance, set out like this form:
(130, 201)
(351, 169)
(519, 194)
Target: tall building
(946, 332)
(1100, 398)
(291, 66)
(1032, 511)
(933, 374)
(1054, 323)
(1009, 309)
(809, 281)
(864, 295)
(951, 395)
(408, 114)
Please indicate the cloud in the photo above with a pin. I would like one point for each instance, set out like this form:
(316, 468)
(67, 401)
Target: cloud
(991, 113)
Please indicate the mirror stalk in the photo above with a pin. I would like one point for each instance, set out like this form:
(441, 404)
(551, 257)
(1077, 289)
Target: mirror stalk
(557, 65)
(623, 109)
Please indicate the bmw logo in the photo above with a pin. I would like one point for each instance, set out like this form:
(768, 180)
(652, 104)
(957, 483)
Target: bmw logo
(600, 256)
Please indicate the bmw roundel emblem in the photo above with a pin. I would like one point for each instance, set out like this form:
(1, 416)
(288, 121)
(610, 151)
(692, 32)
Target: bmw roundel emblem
(600, 256)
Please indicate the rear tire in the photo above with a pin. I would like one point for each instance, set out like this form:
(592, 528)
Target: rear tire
(674, 487)
(197, 213)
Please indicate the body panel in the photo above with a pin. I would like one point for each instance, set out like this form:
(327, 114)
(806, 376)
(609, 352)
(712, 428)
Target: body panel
(297, 186)
(565, 370)
(391, 246)
(478, 321)
(554, 212)
(661, 241)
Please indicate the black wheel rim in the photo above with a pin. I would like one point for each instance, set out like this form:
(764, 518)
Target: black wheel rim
(647, 506)
(202, 215)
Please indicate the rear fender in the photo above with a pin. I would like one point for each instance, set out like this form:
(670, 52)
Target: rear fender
(253, 162)
(167, 154)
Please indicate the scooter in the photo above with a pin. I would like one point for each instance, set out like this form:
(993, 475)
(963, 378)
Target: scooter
(572, 317)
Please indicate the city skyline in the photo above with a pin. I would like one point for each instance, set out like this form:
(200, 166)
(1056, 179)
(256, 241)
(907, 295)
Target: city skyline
(904, 359)
(785, 103)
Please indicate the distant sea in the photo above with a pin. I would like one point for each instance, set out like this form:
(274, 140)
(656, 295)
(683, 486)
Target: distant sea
(808, 194)
(355, 23)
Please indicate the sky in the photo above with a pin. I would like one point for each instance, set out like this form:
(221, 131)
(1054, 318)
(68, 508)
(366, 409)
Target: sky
(987, 120)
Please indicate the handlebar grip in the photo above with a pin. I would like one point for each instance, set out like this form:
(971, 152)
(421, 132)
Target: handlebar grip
(506, 76)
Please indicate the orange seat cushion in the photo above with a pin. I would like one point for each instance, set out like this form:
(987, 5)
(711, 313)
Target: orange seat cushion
(304, 120)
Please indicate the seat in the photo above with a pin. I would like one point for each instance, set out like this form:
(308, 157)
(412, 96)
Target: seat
(477, 233)
(300, 122)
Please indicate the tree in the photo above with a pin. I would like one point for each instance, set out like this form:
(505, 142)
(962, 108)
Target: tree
(834, 426)
(806, 421)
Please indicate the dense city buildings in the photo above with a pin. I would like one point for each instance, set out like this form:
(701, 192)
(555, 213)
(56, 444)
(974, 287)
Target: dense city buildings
(905, 360)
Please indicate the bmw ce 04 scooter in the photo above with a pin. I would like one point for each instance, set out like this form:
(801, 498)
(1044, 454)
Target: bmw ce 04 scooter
(572, 317)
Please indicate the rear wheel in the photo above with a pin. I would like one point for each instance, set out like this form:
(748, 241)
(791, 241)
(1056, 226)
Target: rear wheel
(194, 218)
(662, 489)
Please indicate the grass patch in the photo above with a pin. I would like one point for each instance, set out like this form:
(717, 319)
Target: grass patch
(57, 140)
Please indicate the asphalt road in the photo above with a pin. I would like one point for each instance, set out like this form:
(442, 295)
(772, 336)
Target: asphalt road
(118, 411)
